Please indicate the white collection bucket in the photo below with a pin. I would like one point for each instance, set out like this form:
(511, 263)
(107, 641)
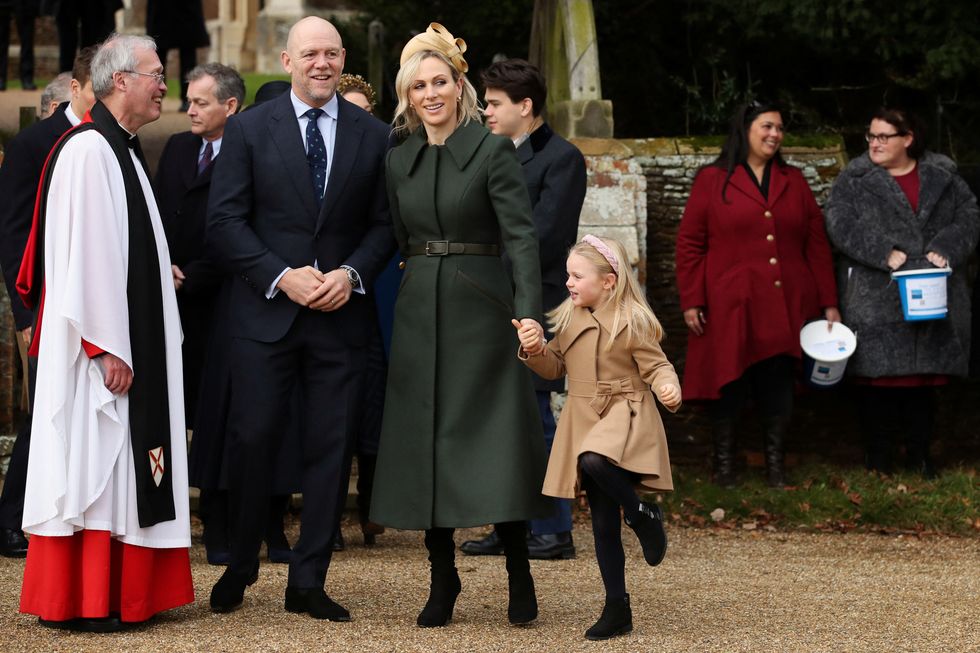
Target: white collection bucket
(825, 353)
(923, 293)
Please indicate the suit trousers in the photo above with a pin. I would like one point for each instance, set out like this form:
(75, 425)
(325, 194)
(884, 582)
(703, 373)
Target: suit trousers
(311, 359)
(561, 521)
(15, 483)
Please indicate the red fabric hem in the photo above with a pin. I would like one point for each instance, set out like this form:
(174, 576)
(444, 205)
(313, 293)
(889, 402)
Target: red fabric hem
(91, 574)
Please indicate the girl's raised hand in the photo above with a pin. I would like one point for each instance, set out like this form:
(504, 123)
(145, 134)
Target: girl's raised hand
(531, 335)
(670, 395)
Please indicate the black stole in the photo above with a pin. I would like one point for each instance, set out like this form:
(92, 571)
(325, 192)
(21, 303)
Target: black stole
(149, 410)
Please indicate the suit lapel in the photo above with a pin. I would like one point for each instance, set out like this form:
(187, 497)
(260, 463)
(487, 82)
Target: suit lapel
(345, 146)
(525, 152)
(285, 135)
(188, 171)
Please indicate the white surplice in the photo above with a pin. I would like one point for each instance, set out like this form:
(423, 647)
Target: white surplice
(81, 471)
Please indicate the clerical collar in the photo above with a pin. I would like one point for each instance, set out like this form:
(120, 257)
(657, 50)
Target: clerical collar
(128, 136)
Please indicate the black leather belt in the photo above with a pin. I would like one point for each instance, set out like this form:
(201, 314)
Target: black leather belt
(445, 248)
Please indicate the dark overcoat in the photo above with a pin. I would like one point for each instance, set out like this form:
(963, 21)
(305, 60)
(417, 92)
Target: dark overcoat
(868, 215)
(177, 23)
(554, 171)
(759, 267)
(461, 442)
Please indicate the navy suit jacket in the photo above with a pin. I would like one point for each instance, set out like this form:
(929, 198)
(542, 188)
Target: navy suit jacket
(263, 216)
(23, 162)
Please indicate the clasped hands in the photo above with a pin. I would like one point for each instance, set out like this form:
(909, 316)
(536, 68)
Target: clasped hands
(533, 343)
(319, 291)
(897, 258)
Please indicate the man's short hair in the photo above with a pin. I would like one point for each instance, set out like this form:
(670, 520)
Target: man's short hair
(58, 90)
(81, 70)
(117, 53)
(518, 79)
(228, 83)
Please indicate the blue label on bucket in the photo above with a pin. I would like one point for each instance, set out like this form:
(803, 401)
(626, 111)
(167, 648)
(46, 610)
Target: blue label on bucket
(917, 293)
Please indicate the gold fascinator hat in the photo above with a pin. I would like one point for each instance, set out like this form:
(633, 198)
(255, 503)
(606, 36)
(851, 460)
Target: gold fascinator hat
(437, 38)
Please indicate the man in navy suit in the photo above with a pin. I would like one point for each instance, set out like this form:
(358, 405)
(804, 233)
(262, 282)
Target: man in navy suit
(25, 156)
(298, 210)
(554, 170)
(215, 92)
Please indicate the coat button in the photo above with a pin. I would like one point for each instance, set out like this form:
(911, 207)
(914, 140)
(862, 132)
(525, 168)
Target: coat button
(778, 283)
(770, 238)
(401, 265)
(773, 261)
(768, 214)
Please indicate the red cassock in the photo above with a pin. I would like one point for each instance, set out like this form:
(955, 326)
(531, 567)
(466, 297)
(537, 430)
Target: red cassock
(759, 267)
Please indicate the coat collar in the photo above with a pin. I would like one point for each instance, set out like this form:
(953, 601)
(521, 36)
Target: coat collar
(534, 143)
(461, 145)
(744, 184)
(583, 319)
(935, 173)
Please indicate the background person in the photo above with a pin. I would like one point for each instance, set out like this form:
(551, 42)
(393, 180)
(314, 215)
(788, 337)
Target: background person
(753, 265)
(896, 207)
(461, 441)
(57, 91)
(24, 13)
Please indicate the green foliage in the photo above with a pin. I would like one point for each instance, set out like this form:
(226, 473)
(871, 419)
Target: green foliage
(824, 498)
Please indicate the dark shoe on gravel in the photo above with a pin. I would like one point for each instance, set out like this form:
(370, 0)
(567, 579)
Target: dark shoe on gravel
(616, 619)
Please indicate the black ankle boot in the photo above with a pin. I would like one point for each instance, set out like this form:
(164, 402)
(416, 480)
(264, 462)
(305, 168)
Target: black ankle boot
(775, 451)
(724, 437)
(522, 605)
(649, 528)
(443, 590)
(616, 619)
(444, 586)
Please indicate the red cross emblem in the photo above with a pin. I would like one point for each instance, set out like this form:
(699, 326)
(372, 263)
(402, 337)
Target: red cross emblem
(157, 465)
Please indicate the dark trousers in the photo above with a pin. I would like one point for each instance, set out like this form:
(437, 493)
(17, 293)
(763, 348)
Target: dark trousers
(25, 30)
(889, 415)
(313, 360)
(561, 520)
(97, 22)
(770, 381)
(15, 483)
(188, 60)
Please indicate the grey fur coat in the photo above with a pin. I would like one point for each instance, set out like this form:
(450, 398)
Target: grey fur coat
(867, 216)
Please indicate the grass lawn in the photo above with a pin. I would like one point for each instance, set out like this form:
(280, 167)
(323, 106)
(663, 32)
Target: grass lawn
(829, 498)
(252, 83)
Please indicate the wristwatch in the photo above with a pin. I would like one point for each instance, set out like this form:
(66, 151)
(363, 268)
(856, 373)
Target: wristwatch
(353, 278)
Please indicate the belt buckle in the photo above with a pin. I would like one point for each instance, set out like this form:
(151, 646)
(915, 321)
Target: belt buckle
(436, 247)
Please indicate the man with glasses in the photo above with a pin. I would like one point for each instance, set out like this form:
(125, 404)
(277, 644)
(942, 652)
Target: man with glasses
(107, 499)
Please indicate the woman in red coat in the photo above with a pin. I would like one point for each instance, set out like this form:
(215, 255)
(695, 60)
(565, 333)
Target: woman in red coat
(753, 265)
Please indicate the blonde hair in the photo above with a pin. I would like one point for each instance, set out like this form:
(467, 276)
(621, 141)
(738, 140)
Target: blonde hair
(627, 296)
(406, 120)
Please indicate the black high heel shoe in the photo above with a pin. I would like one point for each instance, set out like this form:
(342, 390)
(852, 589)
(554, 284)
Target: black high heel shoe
(438, 610)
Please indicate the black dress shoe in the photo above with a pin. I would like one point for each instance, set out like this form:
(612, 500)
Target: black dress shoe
(229, 592)
(110, 624)
(337, 543)
(218, 558)
(316, 603)
(551, 546)
(649, 529)
(13, 544)
(488, 546)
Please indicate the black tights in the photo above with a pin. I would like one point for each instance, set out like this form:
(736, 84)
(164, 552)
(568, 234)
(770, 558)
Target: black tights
(887, 414)
(770, 381)
(608, 488)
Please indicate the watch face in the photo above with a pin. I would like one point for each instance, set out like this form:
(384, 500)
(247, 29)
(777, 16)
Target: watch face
(352, 277)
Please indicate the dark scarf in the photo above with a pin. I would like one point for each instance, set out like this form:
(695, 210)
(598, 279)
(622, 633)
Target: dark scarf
(149, 412)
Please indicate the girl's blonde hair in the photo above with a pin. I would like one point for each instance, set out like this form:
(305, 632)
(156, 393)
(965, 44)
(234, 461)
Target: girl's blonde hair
(406, 120)
(627, 296)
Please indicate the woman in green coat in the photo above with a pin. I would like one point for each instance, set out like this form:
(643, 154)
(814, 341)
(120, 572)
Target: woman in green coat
(461, 441)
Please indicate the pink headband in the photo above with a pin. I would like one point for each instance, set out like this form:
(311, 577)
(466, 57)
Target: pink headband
(603, 249)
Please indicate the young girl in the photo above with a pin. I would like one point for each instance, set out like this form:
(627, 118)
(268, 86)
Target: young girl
(610, 437)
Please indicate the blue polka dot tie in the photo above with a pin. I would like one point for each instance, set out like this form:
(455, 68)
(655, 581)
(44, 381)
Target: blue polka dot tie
(316, 153)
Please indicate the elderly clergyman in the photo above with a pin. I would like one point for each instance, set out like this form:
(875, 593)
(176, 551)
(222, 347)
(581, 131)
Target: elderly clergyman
(107, 505)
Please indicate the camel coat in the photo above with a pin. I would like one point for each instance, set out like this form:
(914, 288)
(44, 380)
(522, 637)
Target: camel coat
(610, 408)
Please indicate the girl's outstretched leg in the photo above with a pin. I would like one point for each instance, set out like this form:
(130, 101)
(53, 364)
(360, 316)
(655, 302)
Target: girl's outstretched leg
(617, 618)
(644, 518)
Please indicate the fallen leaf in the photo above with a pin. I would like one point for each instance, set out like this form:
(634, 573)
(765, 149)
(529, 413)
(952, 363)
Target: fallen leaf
(717, 514)
(805, 506)
(855, 498)
(749, 526)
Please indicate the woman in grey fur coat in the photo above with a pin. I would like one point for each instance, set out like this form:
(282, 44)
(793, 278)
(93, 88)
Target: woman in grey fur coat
(901, 207)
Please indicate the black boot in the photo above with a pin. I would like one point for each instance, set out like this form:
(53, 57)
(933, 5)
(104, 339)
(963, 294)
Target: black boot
(616, 619)
(444, 585)
(775, 452)
(522, 605)
(649, 528)
(724, 436)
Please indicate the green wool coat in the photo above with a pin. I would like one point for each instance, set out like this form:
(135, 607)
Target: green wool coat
(461, 442)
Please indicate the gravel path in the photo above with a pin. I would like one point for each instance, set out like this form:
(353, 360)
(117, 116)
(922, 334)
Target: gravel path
(716, 591)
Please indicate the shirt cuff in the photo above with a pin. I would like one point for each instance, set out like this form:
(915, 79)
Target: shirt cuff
(272, 290)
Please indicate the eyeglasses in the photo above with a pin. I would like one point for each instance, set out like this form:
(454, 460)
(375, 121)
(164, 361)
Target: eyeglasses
(159, 78)
(882, 139)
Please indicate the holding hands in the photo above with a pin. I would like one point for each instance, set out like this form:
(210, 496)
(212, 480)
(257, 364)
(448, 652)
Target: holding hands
(669, 395)
(531, 335)
(309, 287)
